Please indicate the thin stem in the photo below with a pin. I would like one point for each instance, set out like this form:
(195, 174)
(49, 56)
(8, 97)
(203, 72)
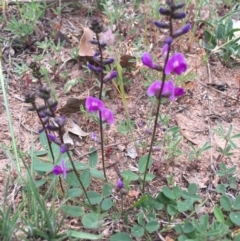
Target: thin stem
(100, 114)
(158, 108)
(79, 180)
(102, 147)
(60, 181)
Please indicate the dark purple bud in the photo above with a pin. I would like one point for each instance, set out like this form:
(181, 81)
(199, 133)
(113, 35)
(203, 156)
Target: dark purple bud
(157, 67)
(52, 128)
(43, 95)
(165, 11)
(161, 25)
(177, 6)
(168, 40)
(52, 104)
(94, 69)
(96, 26)
(60, 121)
(40, 130)
(108, 61)
(30, 98)
(93, 41)
(97, 53)
(32, 108)
(110, 76)
(42, 114)
(51, 137)
(120, 184)
(63, 148)
(182, 31)
(156, 148)
(42, 107)
(48, 113)
(103, 45)
(45, 120)
(178, 15)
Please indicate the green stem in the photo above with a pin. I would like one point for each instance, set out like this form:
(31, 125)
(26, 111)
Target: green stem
(79, 180)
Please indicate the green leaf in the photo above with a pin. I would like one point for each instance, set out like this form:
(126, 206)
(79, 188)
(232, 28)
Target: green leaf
(168, 193)
(40, 182)
(96, 173)
(107, 190)
(106, 204)
(131, 176)
(220, 32)
(72, 180)
(137, 231)
(188, 227)
(149, 177)
(87, 236)
(218, 214)
(86, 178)
(236, 204)
(236, 136)
(93, 158)
(73, 211)
(152, 226)
(192, 189)
(171, 209)
(221, 188)
(78, 165)
(185, 206)
(177, 192)
(143, 162)
(120, 237)
(91, 221)
(178, 228)
(226, 203)
(74, 192)
(94, 197)
(235, 218)
(42, 166)
(43, 140)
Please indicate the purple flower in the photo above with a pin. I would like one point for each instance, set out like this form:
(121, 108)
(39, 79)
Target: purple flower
(54, 139)
(110, 76)
(58, 170)
(107, 116)
(94, 104)
(169, 90)
(147, 60)
(176, 64)
(120, 184)
(94, 69)
(63, 148)
(60, 120)
(94, 137)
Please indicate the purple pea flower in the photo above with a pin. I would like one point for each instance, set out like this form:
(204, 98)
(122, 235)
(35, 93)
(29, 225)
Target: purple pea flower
(182, 31)
(165, 50)
(176, 64)
(120, 184)
(147, 60)
(94, 104)
(58, 170)
(107, 116)
(169, 90)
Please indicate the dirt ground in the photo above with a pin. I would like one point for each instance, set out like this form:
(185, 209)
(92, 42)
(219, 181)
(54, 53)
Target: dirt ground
(196, 113)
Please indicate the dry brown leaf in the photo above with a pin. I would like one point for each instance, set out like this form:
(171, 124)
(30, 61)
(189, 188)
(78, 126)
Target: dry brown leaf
(85, 47)
(76, 129)
(169, 239)
(68, 140)
(133, 193)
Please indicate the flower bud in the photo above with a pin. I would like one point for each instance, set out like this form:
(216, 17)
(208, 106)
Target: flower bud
(108, 61)
(30, 98)
(177, 6)
(182, 31)
(161, 25)
(178, 15)
(94, 69)
(60, 121)
(110, 76)
(165, 11)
